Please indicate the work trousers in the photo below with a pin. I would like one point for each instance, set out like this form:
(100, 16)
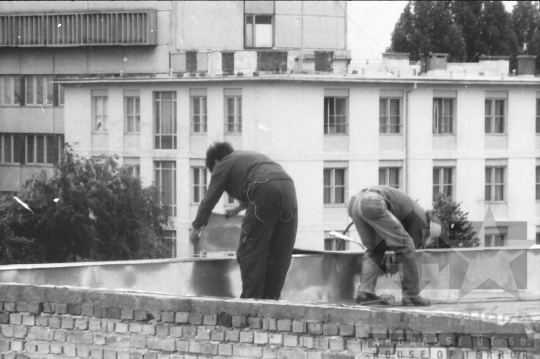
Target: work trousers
(380, 230)
(267, 238)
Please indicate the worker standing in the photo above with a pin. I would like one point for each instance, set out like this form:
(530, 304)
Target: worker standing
(268, 232)
(387, 218)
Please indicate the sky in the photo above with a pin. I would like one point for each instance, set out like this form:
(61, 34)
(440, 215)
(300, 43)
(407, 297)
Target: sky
(370, 26)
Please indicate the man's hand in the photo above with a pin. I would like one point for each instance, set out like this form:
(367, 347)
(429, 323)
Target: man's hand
(194, 235)
(234, 211)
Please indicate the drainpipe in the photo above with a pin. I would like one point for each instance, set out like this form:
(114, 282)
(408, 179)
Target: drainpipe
(407, 139)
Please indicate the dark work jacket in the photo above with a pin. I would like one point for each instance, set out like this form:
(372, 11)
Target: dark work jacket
(235, 174)
(407, 211)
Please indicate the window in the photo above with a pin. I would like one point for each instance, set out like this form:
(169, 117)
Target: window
(495, 184)
(324, 61)
(390, 176)
(494, 116)
(10, 90)
(389, 115)
(9, 148)
(134, 170)
(538, 183)
(39, 90)
(335, 244)
(59, 95)
(169, 239)
(334, 186)
(165, 120)
(200, 183)
(227, 62)
(538, 115)
(199, 114)
(443, 178)
(335, 115)
(166, 183)
(40, 149)
(537, 237)
(60, 144)
(259, 31)
(100, 113)
(133, 114)
(443, 115)
(234, 114)
(495, 236)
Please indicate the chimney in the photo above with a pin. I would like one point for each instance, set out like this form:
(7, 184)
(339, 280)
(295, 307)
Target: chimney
(526, 65)
(431, 61)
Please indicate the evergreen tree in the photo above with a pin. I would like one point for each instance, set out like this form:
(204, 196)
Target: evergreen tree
(526, 24)
(466, 16)
(497, 37)
(85, 212)
(457, 231)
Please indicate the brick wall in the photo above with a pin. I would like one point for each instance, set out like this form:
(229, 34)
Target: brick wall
(55, 323)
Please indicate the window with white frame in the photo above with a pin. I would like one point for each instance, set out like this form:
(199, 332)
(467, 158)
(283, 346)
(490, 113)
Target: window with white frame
(390, 176)
(537, 237)
(9, 148)
(39, 90)
(39, 149)
(390, 115)
(333, 243)
(443, 181)
(165, 176)
(100, 113)
(495, 183)
(495, 236)
(495, 116)
(10, 90)
(200, 183)
(165, 120)
(133, 114)
(132, 166)
(334, 185)
(233, 111)
(199, 111)
(538, 183)
(538, 115)
(443, 116)
(335, 115)
(169, 239)
(259, 31)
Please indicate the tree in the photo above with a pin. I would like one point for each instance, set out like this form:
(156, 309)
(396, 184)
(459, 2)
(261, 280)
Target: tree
(466, 15)
(526, 24)
(457, 230)
(88, 211)
(497, 37)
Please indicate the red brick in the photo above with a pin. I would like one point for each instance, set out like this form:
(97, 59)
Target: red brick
(83, 352)
(225, 349)
(81, 323)
(56, 348)
(96, 353)
(7, 331)
(217, 334)
(80, 338)
(114, 313)
(320, 343)
(68, 323)
(167, 317)
(100, 339)
(430, 338)
(94, 325)
(270, 324)
(175, 331)
(306, 342)
(314, 355)
(224, 320)
(48, 308)
(276, 339)
(4, 318)
(337, 344)
(464, 341)
(354, 345)
(182, 346)
(203, 333)
(291, 354)
(135, 328)
(74, 309)
(35, 308)
(481, 343)
(135, 341)
(121, 328)
(448, 339)
(141, 315)
(163, 344)
(60, 335)
(61, 308)
(290, 340)
(314, 328)
(260, 338)
(189, 332)
(127, 314)
(254, 322)
(46, 334)
(42, 321)
(232, 335)
(149, 329)
(210, 319)
(154, 314)
(195, 318)
(22, 306)
(346, 330)
(150, 356)
(181, 317)
(399, 335)
(17, 346)
(29, 319)
(203, 348)
(239, 321)
(20, 332)
(109, 354)
(284, 325)
(100, 312)
(4, 345)
(336, 356)
(330, 329)
(15, 319)
(87, 310)
(10, 307)
(247, 351)
(270, 352)
(246, 336)
(362, 331)
(70, 350)
(299, 326)
(43, 348)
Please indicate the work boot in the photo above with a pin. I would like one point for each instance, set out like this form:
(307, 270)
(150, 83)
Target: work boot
(362, 297)
(416, 302)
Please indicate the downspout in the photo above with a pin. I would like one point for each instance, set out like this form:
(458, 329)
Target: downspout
(407, 139)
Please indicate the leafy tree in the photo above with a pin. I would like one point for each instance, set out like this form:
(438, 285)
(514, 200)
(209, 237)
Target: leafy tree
(88, 211)
(497, 37)
(427, 26)
(526, 24)
(466, 16)
(457, 230)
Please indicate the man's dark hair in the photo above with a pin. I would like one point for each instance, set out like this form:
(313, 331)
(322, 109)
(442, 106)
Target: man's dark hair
(217, 151)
